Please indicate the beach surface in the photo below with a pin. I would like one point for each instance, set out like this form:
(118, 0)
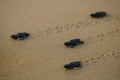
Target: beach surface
(51, 23)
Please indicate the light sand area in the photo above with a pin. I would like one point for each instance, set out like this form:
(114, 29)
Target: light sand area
(51, 23)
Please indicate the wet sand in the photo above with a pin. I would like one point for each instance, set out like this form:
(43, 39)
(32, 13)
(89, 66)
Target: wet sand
(51, 23)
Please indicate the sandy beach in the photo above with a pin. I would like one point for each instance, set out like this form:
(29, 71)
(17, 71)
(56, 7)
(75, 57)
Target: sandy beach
(51, 23)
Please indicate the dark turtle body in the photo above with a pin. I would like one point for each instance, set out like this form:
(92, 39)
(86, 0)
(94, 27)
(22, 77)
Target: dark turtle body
(72, 65)
(74, 42)
(98, 14)
(20, 35)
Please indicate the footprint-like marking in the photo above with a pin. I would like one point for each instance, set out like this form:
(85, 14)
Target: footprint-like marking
(89, 39)
(78, 25)
(116, 54)
(48, 31)
(86, 61)
(101, 37)
(102, 58)
(93, 60)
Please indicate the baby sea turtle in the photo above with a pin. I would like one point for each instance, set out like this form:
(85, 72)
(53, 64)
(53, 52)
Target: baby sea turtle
(20, 35)
(72, 65)
(100, 14)
(74, 42)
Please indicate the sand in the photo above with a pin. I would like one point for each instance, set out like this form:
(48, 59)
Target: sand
(51, 23)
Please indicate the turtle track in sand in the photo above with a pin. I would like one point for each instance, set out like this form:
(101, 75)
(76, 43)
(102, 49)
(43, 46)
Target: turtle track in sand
(77, 25)
(102, 58)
